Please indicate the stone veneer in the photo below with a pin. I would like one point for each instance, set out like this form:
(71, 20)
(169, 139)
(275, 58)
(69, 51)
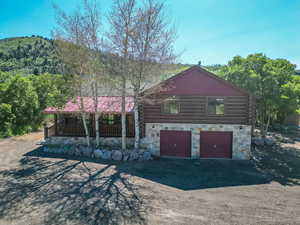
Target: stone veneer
(241, 137)
(109, 141)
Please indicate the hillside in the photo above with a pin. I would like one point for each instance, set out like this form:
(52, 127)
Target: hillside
(28, 55)
(36, 55)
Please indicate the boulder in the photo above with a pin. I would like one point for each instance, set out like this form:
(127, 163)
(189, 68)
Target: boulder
(45, 149)
(116, 155)
(258, 141)
(125, 156)
(147, 156)
(77, 151)
(86, 151)
(133, 155)
(106, 154)
(70, 151)
(98, 154)
(287, 140)
(59, 150)
(269, 141)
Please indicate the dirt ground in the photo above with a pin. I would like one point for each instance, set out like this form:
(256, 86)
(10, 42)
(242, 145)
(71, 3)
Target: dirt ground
(40, 189)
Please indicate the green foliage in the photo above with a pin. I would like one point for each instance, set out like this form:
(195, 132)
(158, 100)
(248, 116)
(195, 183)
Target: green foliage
(23, 98)
(214, 68)
(29, 55)
(6, 118)
(272, 81)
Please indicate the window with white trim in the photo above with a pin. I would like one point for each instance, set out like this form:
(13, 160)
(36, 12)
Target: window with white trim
(171, 106)
(215, 106)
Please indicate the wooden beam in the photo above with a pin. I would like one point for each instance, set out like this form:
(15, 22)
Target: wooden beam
(55, 124)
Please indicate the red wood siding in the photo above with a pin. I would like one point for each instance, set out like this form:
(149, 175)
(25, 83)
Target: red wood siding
(215, 144)
(193, 110)
(191, 88)
(175, 143)
(197, 81)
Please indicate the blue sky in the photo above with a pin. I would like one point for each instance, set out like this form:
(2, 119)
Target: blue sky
(212, 31)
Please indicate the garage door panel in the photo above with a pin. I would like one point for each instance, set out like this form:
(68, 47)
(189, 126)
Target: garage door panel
(215, 144)
(175, 143)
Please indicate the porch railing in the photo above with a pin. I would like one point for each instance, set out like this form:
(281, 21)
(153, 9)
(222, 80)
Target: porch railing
(77, 130)
(115, 130)
(49, 131)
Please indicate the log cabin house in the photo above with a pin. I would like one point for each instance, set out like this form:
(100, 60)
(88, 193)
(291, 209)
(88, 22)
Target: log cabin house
(194, 114)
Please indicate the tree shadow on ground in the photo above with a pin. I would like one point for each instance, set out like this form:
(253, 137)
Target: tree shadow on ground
(185, 174)
(280, 164)
(70, 191)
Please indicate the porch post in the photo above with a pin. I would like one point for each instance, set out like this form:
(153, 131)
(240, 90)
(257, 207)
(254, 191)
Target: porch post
(55, 124)
(45, 131)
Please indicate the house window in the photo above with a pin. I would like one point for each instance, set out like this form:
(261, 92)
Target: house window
(110, 119)
(171, 106)
(216, 106)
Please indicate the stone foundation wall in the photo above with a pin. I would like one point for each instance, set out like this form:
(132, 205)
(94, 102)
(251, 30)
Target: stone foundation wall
(241, 139)
(114, 142)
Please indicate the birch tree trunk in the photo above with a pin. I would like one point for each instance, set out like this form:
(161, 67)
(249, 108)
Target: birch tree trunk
(97, 129)
(123, 116)
(83, 115)
(136, 124)
(86, 129)
(95, 96)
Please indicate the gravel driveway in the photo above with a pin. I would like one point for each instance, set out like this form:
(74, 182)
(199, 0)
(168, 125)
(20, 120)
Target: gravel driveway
(46, 189)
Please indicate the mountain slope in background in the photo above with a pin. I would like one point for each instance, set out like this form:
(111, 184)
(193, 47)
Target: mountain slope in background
(36, 55)
(29, 55)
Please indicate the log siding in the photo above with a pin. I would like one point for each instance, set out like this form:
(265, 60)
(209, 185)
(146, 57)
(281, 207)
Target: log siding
(193, 109)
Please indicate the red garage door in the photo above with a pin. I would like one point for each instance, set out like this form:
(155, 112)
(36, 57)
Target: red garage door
(215, 144)
(175, 143)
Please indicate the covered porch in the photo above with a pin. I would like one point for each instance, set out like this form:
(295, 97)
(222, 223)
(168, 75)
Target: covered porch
(67, 121)
(69, 125)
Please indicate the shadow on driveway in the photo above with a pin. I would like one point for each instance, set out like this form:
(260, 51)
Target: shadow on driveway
(183, 174)
(70, 190)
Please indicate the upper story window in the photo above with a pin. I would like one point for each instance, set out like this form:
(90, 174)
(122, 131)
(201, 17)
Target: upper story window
(215, 106)
(171, 106)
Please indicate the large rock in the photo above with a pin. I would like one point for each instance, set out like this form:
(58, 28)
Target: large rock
(86, 151)
(126, 156)
(70, 151)
(106, 154)
(116, 155)
(77, 151)
(45, 149)
(258, 141)
(147, 156)
(269, 141)
(287, 140)
(98, 154)
(134, 155)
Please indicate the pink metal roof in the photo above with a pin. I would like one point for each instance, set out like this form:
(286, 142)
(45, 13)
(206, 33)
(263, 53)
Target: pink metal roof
(106, 104)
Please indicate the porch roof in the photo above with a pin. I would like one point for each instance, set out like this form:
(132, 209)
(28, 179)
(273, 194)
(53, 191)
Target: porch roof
(106, 104)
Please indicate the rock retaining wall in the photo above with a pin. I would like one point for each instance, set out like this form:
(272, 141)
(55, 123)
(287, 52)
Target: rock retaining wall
(112, 142)
(80, 150)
